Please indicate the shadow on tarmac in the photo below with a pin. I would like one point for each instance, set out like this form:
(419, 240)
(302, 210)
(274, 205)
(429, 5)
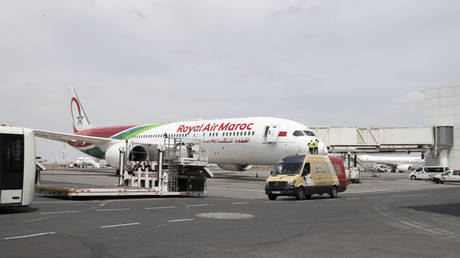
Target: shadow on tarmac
(232, 176)
(452, 209)
(16, 209)
(313, 198)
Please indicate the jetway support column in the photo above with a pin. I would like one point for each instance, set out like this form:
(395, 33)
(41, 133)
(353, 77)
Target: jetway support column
(348, 158)
(444, 157)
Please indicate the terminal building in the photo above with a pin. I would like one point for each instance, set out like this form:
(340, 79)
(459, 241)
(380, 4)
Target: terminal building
(442, 108)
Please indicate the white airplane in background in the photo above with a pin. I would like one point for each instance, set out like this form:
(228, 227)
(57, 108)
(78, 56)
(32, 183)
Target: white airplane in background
(398, 162)
(233, 144)
(84, 162)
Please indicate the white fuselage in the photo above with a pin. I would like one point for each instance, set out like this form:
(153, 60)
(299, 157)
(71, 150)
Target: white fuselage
(238, 140)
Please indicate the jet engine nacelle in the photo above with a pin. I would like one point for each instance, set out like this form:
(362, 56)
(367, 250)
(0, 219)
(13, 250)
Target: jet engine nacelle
(136, 152)
(403, 168)
(235, 167)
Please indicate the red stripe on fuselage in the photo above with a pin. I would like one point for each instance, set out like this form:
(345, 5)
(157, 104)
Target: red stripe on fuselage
(105, 132)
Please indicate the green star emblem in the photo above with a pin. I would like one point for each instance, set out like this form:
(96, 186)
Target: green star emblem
(80, 119)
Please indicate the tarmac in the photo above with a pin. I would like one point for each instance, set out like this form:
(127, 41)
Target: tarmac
(386, 215)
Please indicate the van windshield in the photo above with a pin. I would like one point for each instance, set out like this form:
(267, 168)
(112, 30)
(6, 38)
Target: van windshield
(287, 168)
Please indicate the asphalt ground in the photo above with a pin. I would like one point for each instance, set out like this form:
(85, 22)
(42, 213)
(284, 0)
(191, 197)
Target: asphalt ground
(384, 216)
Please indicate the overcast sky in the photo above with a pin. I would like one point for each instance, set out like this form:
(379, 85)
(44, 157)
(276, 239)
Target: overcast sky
(341, 63)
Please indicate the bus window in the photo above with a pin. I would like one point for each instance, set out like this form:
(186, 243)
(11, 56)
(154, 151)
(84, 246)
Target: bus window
(434, 169)
(12, 161)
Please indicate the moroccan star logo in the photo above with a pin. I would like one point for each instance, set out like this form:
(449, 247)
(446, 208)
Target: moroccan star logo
(79, 116)
(80, 119)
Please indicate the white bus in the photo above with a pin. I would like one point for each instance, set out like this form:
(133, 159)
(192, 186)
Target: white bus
(17, 166)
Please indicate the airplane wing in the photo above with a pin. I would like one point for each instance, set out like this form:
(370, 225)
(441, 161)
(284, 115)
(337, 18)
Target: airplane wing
(67, 137)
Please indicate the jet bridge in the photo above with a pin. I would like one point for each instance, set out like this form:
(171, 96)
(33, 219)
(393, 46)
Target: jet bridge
(436, 141)
(384, 139)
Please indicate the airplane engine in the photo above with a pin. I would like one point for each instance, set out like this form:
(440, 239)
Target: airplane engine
(235, 167)
(403, 168)
(136, 153)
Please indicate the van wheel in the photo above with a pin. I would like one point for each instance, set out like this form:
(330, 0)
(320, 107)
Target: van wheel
(300, 195)
(308, 196)
(272, 197)
(413, 177)
(333, 193)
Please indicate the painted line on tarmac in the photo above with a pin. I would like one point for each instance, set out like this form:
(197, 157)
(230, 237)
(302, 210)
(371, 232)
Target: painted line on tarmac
(28, 236)
(40, 219)
(414, 224)
(199, 205)
(236, 189)
(238, 203)
(161, 207)
(180, 220)
(373, 197)
(57, 212)
(97, 201)
(406, 195)
(120, 209)
(121, 225)
(434, 231)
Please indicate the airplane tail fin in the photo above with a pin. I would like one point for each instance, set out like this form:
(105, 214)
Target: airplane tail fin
(79, 118)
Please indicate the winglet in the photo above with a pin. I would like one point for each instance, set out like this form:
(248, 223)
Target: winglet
(79, 118)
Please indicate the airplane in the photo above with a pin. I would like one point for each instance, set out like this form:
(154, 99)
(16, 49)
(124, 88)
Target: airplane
(233, 144)
(84, 162)
(398, 162)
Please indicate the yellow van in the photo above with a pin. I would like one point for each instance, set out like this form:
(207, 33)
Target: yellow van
(304, 175)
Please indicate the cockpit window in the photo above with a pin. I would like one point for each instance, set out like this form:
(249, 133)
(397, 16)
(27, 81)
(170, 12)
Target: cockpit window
(298, 133)
(309, 133)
